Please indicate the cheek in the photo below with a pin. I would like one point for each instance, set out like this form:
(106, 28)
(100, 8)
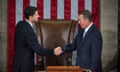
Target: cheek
(36, 17)
(81, 23)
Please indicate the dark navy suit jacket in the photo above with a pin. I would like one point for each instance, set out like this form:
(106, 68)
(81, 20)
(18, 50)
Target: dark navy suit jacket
(25, 44)
(88, 49)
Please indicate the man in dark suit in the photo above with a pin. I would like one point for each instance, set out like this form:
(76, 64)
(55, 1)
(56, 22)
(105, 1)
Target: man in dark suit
(88, 44)
(25, 43)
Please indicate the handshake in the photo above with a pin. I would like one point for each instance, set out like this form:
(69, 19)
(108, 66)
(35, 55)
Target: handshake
(58, 51)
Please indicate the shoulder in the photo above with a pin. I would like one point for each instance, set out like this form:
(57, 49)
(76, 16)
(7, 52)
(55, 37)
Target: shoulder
(22, 24)
(96, 33)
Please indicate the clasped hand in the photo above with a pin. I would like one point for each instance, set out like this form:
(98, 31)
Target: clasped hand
(58, 51)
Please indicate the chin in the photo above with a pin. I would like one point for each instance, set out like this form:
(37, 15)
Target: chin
(82, 27)
(36, 21)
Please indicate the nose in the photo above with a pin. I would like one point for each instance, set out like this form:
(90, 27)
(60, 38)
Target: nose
(39, 16)
(78, 22)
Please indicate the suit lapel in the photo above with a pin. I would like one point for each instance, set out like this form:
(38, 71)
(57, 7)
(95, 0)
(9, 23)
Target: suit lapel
(87, 35)
(80, 35)
(30, 26)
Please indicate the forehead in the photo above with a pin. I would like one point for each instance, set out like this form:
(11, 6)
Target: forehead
(80, 16)
(36, 11)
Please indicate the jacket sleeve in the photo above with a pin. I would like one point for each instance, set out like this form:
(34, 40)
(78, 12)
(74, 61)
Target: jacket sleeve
(70, 47)
(31, 40)
(96, 47)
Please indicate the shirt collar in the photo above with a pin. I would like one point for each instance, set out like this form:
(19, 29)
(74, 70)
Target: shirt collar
(86, 29)
(29, 22)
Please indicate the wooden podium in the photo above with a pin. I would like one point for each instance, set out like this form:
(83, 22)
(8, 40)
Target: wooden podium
(64, 69)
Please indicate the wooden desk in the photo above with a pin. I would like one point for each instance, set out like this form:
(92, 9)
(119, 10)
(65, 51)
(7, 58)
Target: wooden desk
(64, 69)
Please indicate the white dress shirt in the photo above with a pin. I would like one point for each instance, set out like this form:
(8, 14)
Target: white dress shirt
(29, 23)
(86, 29)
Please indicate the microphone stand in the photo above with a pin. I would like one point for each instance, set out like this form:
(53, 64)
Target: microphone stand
(65, 59)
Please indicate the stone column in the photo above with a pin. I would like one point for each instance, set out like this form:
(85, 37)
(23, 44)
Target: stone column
(109, 27)
(3, 35)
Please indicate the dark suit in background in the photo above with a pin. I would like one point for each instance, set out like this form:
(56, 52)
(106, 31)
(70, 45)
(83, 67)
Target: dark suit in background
(25, 44)
(88, 49)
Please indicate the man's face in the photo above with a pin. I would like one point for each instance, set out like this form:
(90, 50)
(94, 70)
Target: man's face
(35, 17)
(82, 21)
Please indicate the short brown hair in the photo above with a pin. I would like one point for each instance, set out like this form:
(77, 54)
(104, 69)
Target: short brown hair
(87, 14)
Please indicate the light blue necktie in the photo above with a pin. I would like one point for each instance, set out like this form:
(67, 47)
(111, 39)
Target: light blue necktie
(34, 27)
(84, 34)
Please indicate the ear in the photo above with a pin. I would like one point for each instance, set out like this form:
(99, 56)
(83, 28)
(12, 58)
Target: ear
(30, 17)
(86, 19)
